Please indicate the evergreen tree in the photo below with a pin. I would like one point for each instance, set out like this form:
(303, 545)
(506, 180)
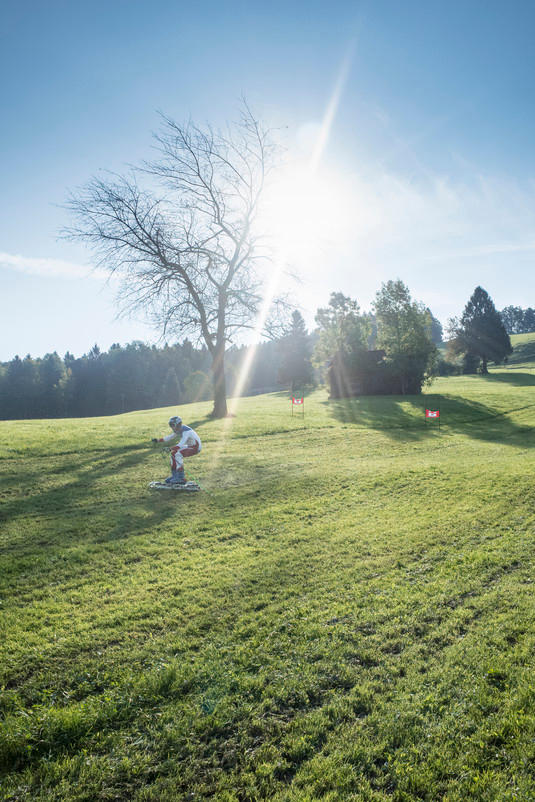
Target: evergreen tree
(22, 381)
(53, 380)
(89, 373)
(528, 321)
(480, 331)
(197, 386)
(437, 332)
(171, 392)
(295, 368)
(256, 366)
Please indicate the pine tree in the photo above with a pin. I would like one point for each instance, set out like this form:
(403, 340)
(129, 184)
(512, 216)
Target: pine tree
(197, 387)
(53, 379)
(480, 332)
(437, 332)
(170, 394)
(22, 381)
(295, 368)
(528, 322)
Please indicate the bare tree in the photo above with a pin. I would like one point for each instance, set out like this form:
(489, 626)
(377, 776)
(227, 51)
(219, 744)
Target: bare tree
(185, 248)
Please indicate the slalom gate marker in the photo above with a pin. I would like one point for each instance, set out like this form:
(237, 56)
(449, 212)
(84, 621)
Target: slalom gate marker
(433, 414)
(298, 402)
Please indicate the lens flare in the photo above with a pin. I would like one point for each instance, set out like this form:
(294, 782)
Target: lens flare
(297, 206)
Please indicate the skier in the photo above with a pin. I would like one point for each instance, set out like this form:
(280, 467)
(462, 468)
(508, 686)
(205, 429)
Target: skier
(189, 444)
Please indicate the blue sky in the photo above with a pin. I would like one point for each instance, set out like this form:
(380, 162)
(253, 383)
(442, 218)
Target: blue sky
(430, 151)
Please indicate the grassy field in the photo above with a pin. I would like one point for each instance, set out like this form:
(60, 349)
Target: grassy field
(346, 612)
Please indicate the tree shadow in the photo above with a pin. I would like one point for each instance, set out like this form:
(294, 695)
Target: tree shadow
(520, 379)
(198, 424)
(383, 413)
(78, 475)
(73, 464)
(395, 416)
(524, 352)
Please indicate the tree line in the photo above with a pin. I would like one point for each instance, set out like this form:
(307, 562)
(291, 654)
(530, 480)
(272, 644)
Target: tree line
(122, 379)
(139, 376)
(99, 383)
(401, 333)
(517, 320)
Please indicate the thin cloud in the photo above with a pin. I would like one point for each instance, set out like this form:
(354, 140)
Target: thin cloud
(440, 235)
(489, 250)
(49, 268)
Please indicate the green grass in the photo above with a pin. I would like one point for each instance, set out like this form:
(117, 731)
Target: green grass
(345, 613)
(523, 349)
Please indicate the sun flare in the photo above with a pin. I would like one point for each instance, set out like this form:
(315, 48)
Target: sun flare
(304, 211)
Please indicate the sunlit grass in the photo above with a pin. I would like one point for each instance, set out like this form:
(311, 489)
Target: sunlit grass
(344, 613)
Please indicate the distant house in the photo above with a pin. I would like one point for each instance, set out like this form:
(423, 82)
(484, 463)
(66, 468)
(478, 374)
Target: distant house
(365, 377)
(371, 373)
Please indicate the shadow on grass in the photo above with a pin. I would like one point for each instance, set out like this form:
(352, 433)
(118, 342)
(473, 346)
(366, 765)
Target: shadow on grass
(198, 424)
(518, 379)
(76, 498)
(395, 415)
(523, 353)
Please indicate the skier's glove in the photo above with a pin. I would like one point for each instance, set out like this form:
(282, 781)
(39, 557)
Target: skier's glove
(154, 440)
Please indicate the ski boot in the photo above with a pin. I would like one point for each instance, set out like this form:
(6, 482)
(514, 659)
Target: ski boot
(176, 478)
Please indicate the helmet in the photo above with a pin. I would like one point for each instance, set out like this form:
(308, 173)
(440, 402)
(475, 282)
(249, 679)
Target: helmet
(175, 421)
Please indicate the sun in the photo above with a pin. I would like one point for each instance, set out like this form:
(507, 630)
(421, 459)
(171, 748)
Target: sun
(304, 212)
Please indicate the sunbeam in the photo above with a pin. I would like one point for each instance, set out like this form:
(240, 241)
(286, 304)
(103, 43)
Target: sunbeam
(270, 292)
(332, 108)
(307, 205)
(292, 216)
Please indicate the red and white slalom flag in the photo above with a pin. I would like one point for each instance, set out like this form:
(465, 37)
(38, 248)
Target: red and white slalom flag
(298, 401)
(429, 413)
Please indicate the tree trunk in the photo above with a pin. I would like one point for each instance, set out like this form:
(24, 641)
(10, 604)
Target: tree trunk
(484, 370)
(219, 382)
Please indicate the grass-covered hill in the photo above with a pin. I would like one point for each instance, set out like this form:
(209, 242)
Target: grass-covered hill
(346, 612)
(523, 350)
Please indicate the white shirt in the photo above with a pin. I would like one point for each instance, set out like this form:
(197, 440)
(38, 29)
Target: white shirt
(188, 439)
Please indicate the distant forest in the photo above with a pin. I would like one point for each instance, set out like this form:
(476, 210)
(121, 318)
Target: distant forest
(517, 320)
(139, 376)
(135, 376)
